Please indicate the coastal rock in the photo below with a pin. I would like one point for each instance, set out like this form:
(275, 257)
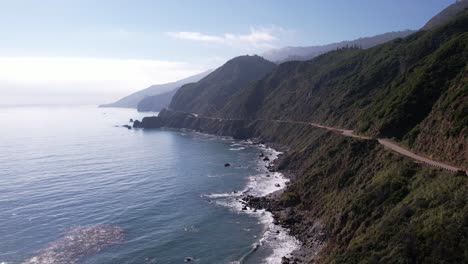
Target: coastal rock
(266, 159)
(188, 259)
(227, 165)
(136, 124)
(149, 122)
(127, 126)
(131, 120)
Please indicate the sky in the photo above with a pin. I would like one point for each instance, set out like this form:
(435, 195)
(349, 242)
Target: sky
(92, 52)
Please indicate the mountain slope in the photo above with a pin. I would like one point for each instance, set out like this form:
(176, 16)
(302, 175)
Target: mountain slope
(351, 200)
(412, 89)
(156, 103)
(446, 15)
(132, 100)
(307, 53)
(208, 95)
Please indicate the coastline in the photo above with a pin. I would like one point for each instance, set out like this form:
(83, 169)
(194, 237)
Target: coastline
(260, 199)
(309, 232)
(300, 225)
(266, 183)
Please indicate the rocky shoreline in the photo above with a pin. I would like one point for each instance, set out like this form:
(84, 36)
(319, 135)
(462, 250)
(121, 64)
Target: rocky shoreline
(310, 232)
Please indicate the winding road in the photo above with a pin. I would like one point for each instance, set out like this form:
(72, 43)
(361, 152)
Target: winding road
(350, 133)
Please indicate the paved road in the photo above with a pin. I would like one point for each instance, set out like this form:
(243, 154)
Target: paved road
(349, 133)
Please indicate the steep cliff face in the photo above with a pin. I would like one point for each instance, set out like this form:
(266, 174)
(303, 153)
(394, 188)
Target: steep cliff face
(210, 94)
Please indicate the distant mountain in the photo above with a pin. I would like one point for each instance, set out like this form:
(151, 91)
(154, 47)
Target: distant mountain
(307, 53)
(132, 100)
(210, 93)
(446, 14)
(156, 103)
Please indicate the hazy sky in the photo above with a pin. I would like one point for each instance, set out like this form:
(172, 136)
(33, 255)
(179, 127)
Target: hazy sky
(90, 51)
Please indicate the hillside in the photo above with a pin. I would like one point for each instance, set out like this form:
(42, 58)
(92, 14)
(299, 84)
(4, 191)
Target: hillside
(209, 95)
(307, 53)
(352, 200)
(446, 15)
(132, 100)
(413, 90)
(156, 103)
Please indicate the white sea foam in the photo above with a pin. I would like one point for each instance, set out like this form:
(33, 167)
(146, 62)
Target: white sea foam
(274, 237)
(221, 195)
(237, 149)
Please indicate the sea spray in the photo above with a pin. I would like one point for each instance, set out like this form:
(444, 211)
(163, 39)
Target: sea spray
(275, 237)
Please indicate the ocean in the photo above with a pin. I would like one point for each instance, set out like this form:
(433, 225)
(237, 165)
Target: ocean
(76, 187)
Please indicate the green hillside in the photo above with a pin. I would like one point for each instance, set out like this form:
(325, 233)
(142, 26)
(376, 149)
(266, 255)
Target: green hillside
(407, 89)
(210, 94)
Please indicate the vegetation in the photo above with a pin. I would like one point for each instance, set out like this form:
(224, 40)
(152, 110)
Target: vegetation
(211, 93)
(401, 89)
(379, 207)
(376, 206)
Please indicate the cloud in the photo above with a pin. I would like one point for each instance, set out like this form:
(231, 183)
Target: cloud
(257, 38)
(101, 78)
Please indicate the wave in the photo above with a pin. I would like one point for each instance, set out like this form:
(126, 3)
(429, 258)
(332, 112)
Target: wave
(237, 149)
(275, 237)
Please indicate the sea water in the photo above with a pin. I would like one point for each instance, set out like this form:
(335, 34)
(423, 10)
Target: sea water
(76, 187)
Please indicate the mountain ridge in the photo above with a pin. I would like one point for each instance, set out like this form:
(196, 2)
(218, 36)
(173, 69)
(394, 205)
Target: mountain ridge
(209, 94)
(157, 102)
(309, 52)
(132, 100)
(446, 14)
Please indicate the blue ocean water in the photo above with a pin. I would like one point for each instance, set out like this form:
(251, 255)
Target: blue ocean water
(74, 188)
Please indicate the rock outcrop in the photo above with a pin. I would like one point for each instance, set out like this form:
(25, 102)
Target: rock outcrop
(148, 122)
